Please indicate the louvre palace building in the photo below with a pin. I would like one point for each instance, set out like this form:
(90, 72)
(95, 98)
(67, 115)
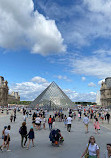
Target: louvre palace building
(6, 98)
(105, 92)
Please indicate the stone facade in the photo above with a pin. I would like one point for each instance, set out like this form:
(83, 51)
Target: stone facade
(105, 92)
(3, 92)
(5, 98)
(13, 97)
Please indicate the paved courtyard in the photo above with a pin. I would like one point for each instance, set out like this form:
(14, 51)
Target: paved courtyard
(73, 146)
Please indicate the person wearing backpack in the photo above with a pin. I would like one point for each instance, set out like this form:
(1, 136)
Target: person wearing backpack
(23, 132)
(50, 122)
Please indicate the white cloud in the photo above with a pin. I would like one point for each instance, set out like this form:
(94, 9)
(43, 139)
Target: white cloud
(39, 79)
(28, 90)
(99, 82)
(100, 6)
(91, 84)
(94, 65)
(60, 77)
(102, 52)
(21, 27)
(31, 90)
(83, 78)
(94, 20)
(75, 96)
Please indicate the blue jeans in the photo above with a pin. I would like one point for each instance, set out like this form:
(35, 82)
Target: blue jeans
(50, 126)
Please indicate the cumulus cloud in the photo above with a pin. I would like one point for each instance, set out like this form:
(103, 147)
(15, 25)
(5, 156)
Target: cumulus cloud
(91, 84)
(39, 79)
(60, 77)
(93, 20)
(28, 90)
(82, 97)
(22, 27)
(94, 65)
(83, 78)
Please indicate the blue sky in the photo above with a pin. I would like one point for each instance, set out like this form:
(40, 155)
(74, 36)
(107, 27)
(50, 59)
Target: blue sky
(63, 41)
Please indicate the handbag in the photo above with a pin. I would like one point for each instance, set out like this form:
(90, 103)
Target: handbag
(87, 153)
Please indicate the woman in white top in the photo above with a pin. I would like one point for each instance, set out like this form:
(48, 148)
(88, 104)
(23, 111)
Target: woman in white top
(108, 151)
(6, 138)
(92, 148)
(37, 122)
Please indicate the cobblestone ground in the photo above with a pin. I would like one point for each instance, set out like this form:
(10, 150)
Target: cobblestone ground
(73, 146)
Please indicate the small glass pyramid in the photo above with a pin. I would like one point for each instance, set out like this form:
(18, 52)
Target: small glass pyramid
(52, 97)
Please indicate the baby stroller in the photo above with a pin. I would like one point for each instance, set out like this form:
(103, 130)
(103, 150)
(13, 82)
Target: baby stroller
(55, 137)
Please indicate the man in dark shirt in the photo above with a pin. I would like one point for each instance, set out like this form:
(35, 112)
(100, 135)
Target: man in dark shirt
(108, 117)
(23, 132)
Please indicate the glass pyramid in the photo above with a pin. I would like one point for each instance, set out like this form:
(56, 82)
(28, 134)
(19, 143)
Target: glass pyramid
(52, 97)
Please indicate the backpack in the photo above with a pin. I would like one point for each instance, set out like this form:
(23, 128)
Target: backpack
(50, 120)
(20, 130)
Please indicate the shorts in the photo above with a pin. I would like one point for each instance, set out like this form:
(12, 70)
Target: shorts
(33, 121)
(38, 124)
(86, 125)
(5, 139)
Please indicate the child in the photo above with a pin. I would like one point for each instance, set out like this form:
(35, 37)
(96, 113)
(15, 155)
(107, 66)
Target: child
(65, 120)
(96, 125)
(31, 136)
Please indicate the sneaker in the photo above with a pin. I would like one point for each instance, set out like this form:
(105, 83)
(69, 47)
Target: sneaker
(27, 148)
(2, 149)
(8, 150)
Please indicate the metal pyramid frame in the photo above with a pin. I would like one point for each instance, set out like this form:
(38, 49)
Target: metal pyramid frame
(52, 96)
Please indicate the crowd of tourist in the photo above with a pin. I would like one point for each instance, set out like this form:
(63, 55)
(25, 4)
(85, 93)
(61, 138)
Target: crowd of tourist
(39, 120)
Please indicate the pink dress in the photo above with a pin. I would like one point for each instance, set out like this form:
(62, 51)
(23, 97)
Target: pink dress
(96, 125)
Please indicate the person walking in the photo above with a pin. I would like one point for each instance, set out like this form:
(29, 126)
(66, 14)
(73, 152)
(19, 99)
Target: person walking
(102, 117)
(69, 122)
(53, 120)
(6, 138)
(86, 123)
(92, 148)
(14, 117)
(108, 117)
(108, 151)
(31, 137)
(50, 122)
(33, 119)
(96, 126)
(11, 117)
(44, 121)
(23, 132)
(65, 120)
(38, 122)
